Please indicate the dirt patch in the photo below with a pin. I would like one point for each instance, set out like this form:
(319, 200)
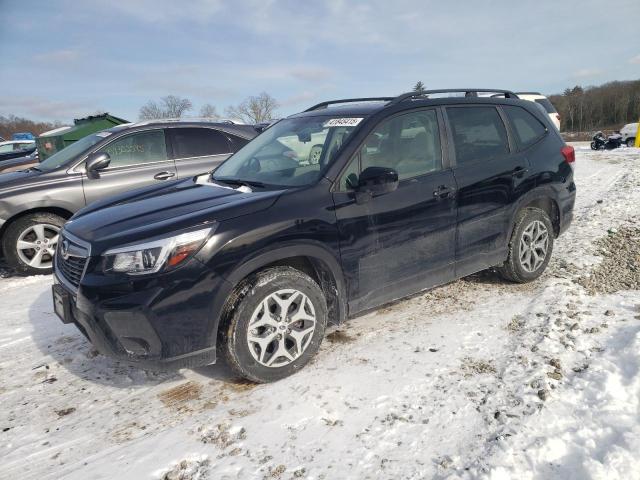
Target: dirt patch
(620, 266)
(177, 396)
(340, 336)
(471, 366)
(189, 469)
(222, 435)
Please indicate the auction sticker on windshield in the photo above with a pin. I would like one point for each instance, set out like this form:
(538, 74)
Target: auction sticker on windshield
(342, 122)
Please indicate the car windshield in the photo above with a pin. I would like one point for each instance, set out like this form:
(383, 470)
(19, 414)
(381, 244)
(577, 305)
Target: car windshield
(69, 153)
(293, 152)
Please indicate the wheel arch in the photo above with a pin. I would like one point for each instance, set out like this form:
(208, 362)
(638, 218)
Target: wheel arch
(62, 212)
(544, 199)
(314, 260)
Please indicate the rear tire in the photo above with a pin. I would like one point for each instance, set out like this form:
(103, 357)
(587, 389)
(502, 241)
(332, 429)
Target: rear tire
(273, 324)
(29, 243)
(530, 246)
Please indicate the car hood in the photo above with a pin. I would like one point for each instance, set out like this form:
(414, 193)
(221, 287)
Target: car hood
(157, 211)
(12, 180)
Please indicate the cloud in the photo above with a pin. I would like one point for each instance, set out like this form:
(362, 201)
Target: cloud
(635, 60)
(160, 11)
(64, 56)
(45, 109)
(587, 73)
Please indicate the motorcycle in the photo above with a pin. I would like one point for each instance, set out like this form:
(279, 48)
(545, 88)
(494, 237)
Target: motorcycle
(609, 143)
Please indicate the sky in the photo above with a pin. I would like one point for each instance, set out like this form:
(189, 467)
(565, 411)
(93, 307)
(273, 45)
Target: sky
(65, 59)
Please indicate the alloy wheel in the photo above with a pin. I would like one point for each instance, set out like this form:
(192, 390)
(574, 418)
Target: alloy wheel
(281, 328)
(534, 244)
(36, 245)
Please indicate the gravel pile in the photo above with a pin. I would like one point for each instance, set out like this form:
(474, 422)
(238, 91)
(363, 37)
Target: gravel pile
(620, 266)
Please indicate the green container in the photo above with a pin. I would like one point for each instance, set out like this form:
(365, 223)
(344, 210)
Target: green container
(55, 140)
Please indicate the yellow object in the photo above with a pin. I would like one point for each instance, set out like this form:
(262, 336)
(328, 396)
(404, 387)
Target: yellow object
(637, 144)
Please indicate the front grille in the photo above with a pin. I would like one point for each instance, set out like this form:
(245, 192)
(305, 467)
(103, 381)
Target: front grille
(71, 258)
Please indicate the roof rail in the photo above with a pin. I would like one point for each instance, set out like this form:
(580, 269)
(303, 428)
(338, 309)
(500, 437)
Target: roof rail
(468, 92)
(348, 100)
(528, 93)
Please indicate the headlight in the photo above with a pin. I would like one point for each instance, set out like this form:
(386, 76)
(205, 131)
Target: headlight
(151, 257)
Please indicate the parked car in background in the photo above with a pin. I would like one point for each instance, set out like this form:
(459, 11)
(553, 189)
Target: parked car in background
(23, 136)
(546, 104)
(20, 163)
(35, 203)
(629, 132)
(15, 149)
(326, 214)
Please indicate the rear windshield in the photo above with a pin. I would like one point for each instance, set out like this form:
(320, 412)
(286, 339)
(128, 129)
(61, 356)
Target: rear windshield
(548, 106)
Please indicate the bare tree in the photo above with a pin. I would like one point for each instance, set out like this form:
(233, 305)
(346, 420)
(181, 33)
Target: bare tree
(170, 106)
(254, 109)
(209, 111)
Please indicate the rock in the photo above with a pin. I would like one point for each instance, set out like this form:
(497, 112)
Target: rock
(543, 395)
(554, 362)
(555, 375)
(609, 313)
(575, 326)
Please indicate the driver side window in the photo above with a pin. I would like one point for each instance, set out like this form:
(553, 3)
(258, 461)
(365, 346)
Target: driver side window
(409, 144)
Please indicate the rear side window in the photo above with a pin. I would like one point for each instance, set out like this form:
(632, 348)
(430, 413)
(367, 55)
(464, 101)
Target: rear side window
(478, 133)
(528, 129)
(198, 142)
(548, 106)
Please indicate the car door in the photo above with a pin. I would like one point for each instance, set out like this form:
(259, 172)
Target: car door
(400, 242)
(198, 150)
(489, 173)
(137, 159)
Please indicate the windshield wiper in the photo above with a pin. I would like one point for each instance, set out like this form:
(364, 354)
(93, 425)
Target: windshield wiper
(237, 181)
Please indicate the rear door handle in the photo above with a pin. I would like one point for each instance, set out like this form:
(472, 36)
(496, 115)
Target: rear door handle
(519, 172)
(164, 175)
(443, 192)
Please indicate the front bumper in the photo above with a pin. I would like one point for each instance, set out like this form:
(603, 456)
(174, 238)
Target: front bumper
(165, 322)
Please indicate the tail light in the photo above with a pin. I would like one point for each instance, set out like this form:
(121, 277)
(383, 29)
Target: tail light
(568, 153)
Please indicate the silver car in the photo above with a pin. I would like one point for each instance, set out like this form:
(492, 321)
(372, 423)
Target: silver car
(35, 203)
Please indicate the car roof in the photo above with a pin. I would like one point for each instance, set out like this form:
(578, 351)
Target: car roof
(245, 131)
(366, 109)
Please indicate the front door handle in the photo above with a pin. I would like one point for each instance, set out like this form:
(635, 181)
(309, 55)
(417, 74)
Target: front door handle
(164, 175)
(443, 192)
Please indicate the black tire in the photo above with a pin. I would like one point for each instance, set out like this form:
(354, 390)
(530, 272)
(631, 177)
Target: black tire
(16, 229)
(513, 269)
(233, 345)
(631, 142)
(594, 146)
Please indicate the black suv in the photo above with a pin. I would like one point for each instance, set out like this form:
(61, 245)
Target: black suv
(327, 213)
(35, 203)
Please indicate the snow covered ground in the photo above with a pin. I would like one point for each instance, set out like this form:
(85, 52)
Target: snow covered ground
(477, 379)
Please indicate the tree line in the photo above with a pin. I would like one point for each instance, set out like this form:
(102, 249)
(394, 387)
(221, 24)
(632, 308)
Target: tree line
(254, 109)
(605, 107)
(12, 124)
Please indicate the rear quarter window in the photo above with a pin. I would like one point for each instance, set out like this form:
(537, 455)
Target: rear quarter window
(528, 129)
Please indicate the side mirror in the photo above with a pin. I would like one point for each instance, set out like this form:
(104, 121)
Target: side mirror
(376, 181)
(95, 162)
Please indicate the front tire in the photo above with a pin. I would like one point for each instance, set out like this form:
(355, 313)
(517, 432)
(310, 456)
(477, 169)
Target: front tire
(631, 142)
(530, 246)
(29, 243)
(273, 325)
